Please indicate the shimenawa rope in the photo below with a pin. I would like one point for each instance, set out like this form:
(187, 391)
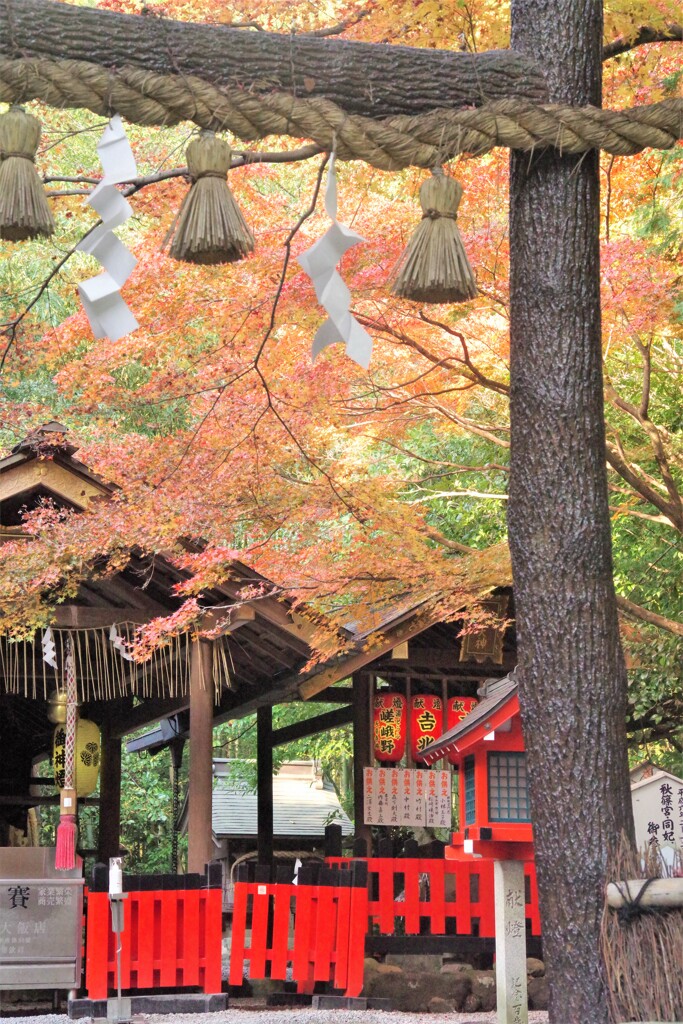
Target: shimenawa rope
(426, 140)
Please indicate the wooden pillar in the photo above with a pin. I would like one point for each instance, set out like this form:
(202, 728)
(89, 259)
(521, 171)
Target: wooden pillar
(362, 739)
(108, 834)
(200, 842)
(264, 783)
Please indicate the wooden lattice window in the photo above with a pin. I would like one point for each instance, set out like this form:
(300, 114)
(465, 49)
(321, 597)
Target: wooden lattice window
(468, 772)
(508, 793)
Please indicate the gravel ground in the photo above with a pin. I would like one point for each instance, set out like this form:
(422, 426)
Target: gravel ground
(262, 1015)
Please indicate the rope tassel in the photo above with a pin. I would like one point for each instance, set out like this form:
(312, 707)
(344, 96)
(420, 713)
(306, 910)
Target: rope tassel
(24, 212)
(434, 266)
(210, 228)
(67, 829)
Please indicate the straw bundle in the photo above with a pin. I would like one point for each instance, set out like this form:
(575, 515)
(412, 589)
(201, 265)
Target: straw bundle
(24, 212)
(210, 228)
(642, 947)
(434, 266)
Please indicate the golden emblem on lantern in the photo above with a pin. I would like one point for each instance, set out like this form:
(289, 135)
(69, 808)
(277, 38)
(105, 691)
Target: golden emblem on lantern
(88, 754)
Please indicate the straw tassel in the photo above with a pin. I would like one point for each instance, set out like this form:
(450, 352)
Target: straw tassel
(24, 211)
(434, 266)
(210, 228)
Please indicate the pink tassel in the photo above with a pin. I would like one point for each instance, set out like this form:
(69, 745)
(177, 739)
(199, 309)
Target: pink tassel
(65, 854)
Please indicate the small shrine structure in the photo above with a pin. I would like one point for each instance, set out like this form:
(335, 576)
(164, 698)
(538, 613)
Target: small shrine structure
(487, 747)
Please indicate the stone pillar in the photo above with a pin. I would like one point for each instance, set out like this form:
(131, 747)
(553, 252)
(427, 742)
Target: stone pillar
(200, 841)
(108, 833)
(264, 783)
(510, 942)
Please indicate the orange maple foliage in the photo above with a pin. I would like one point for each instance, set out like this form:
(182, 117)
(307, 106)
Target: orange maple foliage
(212, 420)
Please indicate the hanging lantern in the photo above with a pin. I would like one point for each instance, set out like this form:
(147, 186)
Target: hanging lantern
(389, 726)
(457, 709)
(88, 756)
(426, 723)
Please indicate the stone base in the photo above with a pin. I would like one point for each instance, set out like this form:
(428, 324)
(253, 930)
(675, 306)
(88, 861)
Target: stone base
(324, 1002)
(289, 999)
(176, 1002)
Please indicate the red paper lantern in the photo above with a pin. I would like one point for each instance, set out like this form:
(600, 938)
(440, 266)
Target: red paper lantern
(389, 726)
(457, 709)
(426, 723)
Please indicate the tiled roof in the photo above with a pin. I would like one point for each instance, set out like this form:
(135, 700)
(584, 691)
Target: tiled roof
(301, 807)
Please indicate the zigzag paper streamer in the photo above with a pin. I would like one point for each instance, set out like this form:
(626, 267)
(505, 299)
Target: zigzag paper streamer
(320, 262)
(119, 643)
(49, 648)
(108, 314)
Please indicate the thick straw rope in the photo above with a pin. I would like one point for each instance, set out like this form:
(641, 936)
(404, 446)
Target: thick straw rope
(143, 97)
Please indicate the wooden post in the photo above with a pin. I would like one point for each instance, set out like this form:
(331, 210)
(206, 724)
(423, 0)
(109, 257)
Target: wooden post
(362, 738)
(264, 783)
(200, 841)
(108, 835)
(511, 989)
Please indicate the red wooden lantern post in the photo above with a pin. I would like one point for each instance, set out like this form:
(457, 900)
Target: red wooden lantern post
(488, 748)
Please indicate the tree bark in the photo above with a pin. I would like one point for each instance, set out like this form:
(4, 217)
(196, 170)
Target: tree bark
(571, 668)
(363, 78)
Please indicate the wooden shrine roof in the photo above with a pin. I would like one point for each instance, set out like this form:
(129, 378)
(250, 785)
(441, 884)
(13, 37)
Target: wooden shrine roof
(261, 659)
(496, 695)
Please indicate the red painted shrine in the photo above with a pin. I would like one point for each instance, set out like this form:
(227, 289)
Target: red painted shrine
(488, 748)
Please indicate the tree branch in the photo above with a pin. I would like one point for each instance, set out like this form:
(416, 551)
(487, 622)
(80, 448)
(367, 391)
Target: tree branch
(373, 79)
(645, 34)
(446, 542)
(638, 612)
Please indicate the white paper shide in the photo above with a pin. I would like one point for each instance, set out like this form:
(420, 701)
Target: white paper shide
(108, 314)
(320, 262)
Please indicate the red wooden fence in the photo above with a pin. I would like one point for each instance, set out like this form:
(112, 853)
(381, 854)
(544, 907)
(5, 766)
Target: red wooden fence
(352, 899)
(172, 937)
(435, 896)
(328, 937)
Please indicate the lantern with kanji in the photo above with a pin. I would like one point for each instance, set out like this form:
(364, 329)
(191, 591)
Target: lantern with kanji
(389, 726)
(87, 756)
(456, 709)
(426, 723)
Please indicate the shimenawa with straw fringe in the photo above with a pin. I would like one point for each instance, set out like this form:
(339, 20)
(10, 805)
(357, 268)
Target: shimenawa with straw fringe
(24, 211)
(434, 267)
(210, 228)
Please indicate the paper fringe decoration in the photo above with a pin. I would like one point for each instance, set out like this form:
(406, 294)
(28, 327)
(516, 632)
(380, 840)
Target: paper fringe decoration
(108, 314)
(101, 676)
(24, 211)
(434, 267)
(49, 648)
(119, 643)
(320, 262)
(210, 228)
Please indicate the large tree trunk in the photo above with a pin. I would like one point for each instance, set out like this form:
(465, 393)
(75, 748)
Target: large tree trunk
(571, 669)
(362, 78)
